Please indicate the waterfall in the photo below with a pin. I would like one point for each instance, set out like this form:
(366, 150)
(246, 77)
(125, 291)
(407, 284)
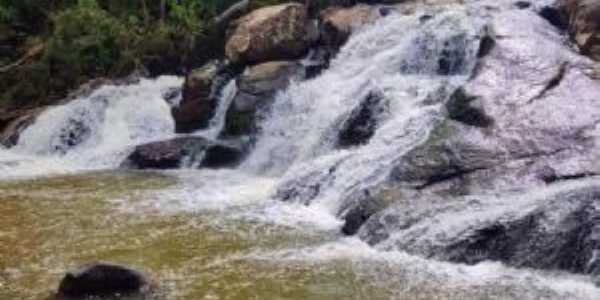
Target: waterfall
(94, 131)
(413, 70)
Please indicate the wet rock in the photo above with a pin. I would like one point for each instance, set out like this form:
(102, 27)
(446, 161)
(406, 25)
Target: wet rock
(184, 152)
(360, 208)
(102, 280)
(197, 105)
(15, 123)
(557, 229)
(555, 16)
(200, 96)
(467, 109)
(336, 23)
(279, 32)
(257, 88)
(362, 122)
(584, 25)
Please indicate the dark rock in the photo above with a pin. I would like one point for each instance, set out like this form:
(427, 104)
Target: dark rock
(257, 88)
(583, 23)
(200, 96)
(184, 152)
(362, 122)
(359, 209)
(15, 123)
(337, 23)
(557, 18)
(172, 96)
(101, 280)
(467, 109)
(523, 4)
(554, 231)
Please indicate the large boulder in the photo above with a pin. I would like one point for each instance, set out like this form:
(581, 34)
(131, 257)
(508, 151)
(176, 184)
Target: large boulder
(257, 88)
(584, 25)
(277, 32)
(184, 152)
(509, 172)
(336, 23)
(103, 280)
(553, 228)
(198, 103)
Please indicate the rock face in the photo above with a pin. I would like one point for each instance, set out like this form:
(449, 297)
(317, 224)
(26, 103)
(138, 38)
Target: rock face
(277, 32)
(184, 152)
(101, 280)
(522, 128)
(555, 229)
(584, 25)
(257, 88)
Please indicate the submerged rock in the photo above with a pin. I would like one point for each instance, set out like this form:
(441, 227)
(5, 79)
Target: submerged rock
(278, 32)
(257, 88)
(101, 280)
(184, 152)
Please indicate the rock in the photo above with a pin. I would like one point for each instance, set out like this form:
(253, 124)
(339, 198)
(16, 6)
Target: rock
(279, 32)
(467, 109)
(584, 25)
(14, 123)
(184, 152)
(553, 228)
(198, 102)
(336, 23)
(358, 210)
(257, 88)
(101, 280)
(362, 122)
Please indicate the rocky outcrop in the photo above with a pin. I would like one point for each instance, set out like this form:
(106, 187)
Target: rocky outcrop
(103, 280)
(555, 228)
(14, 123)
(584, 25)
(257, 88)
(184, 152)
(279, 32)
(198, 101)
(521, 128)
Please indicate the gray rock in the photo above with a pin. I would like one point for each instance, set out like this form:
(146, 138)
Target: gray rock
(184, 152)
(257, 88)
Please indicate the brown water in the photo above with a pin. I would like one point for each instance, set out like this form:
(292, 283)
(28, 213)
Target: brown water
(51, 225)
(48, 226)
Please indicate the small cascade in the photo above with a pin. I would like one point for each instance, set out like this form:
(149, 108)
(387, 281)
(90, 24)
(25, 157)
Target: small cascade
(413, 70)
(96, 131)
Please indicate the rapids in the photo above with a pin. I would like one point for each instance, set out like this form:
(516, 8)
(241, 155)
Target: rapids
(227, 234)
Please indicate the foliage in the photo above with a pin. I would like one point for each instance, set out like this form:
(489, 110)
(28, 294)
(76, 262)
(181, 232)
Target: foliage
(85, 39)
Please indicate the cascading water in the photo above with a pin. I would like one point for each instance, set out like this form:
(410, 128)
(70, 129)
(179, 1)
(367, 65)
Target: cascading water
(414, 70)
(94, 131)
(396, 76)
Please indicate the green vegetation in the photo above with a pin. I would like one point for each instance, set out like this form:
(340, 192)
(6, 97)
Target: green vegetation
(49, 47)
